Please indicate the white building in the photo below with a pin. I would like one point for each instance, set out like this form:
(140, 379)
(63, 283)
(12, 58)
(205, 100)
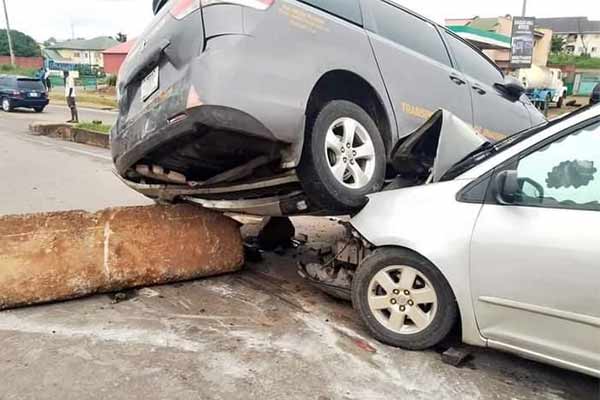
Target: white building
(581, 35)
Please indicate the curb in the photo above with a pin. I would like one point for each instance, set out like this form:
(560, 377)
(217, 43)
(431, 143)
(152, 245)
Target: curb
(70, 133)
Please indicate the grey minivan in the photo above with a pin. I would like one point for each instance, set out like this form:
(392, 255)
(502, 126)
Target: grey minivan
(280, 107)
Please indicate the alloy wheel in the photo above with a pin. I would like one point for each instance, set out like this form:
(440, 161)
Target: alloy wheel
(350, 153)
(6, 105)
(402, 299)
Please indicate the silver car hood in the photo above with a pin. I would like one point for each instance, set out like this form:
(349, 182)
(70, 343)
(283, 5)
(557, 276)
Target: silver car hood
(436, 146)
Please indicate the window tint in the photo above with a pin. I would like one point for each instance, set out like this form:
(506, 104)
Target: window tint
(346, 9)
(564, 174)
(472, 63)
(409, 31)
(7, 83)
(30, 84)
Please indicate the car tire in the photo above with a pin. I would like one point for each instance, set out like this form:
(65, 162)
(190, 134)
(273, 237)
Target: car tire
(336, 174)
(560, 102)
(429, 299)
(39, 109)
(6, 105)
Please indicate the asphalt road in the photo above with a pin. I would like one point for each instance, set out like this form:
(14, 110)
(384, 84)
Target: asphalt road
(259, 334)
(44, 174)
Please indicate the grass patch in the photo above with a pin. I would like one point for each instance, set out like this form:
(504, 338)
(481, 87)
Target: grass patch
(583, 62)
(87, 98)
(98, 128)
(7, 69)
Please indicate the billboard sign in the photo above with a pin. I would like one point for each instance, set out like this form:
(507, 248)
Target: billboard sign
(523, 41)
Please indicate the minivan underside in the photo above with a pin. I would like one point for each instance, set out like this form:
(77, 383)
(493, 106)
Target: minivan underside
(219, 169)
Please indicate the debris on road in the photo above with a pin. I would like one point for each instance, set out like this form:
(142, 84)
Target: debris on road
(64, 255)
(456, 356)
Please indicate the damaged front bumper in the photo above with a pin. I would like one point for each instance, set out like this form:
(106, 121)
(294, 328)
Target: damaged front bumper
(332, 269)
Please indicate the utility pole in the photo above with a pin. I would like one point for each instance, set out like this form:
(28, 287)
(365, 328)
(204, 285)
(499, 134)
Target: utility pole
(10, 46)
(524, 14)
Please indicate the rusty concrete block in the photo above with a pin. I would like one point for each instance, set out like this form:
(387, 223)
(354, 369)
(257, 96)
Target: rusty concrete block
(64, 255)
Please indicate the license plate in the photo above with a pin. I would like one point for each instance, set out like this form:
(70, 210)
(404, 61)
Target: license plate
(34, 94)
(150, 84)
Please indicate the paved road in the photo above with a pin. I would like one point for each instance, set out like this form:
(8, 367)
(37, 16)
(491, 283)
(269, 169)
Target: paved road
(44, 174)
(258, 334)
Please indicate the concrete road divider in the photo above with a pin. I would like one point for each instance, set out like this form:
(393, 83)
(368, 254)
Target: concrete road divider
(70, 133)
(64, 255)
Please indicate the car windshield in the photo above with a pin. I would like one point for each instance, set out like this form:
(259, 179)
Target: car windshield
(30, 84)
(488, 149)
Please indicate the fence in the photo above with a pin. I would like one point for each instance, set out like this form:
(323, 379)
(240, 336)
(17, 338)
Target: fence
(585, 83)
(24, 62)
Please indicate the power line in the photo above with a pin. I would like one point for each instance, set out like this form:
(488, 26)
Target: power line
(8, 34)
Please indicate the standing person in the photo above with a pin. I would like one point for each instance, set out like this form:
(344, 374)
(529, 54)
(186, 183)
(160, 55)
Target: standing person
(70, 95)
(47, 81)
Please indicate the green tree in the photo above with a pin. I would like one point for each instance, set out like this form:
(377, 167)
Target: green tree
(50, 42)
(558, 44)
(23, 45)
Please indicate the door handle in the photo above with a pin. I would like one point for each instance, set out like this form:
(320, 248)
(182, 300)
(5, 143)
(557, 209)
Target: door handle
(479, 90)
(457, 80)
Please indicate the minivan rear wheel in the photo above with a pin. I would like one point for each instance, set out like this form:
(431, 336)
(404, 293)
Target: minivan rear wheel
(343, 158)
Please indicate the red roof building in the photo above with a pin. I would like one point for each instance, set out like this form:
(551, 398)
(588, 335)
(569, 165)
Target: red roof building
(114, 57)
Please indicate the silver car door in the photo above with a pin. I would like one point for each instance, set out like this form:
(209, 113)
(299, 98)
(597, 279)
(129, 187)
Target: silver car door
(535, 263)
(415, 66)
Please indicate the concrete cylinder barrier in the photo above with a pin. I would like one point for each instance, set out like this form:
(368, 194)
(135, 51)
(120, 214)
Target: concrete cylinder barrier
(64, 255)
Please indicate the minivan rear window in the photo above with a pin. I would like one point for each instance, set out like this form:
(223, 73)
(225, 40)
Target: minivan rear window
(30, 84)
(346, 9)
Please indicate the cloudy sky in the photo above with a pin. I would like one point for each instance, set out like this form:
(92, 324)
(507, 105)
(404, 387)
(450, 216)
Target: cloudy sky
(87, 18)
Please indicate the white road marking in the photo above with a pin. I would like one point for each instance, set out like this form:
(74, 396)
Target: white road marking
(57, 106)
(71, 149)
(88, 153)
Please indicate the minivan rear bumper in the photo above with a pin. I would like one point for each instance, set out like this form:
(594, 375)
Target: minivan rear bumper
(154, 130)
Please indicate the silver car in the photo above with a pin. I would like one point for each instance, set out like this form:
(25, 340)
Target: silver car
(505, 243)
(288, 106)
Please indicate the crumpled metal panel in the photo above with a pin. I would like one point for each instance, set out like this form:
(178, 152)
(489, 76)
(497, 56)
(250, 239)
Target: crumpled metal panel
(441, 142)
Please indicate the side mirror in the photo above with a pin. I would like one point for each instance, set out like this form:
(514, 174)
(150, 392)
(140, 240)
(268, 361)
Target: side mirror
(512, 87)
(507, 187)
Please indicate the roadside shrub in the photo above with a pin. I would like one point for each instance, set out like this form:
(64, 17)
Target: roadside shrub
(10, 70)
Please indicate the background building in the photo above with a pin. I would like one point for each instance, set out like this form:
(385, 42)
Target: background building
(581, 35)
(115, 56)
(81, 51)
(501, 29)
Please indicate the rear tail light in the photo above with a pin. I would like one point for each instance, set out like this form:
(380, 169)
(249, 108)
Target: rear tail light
(256, 4)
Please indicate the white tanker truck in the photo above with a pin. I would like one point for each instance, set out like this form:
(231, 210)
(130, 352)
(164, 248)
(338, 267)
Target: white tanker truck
(544, 85)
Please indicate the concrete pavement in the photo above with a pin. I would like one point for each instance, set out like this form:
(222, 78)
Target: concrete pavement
(44, 174)
(261, 333)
